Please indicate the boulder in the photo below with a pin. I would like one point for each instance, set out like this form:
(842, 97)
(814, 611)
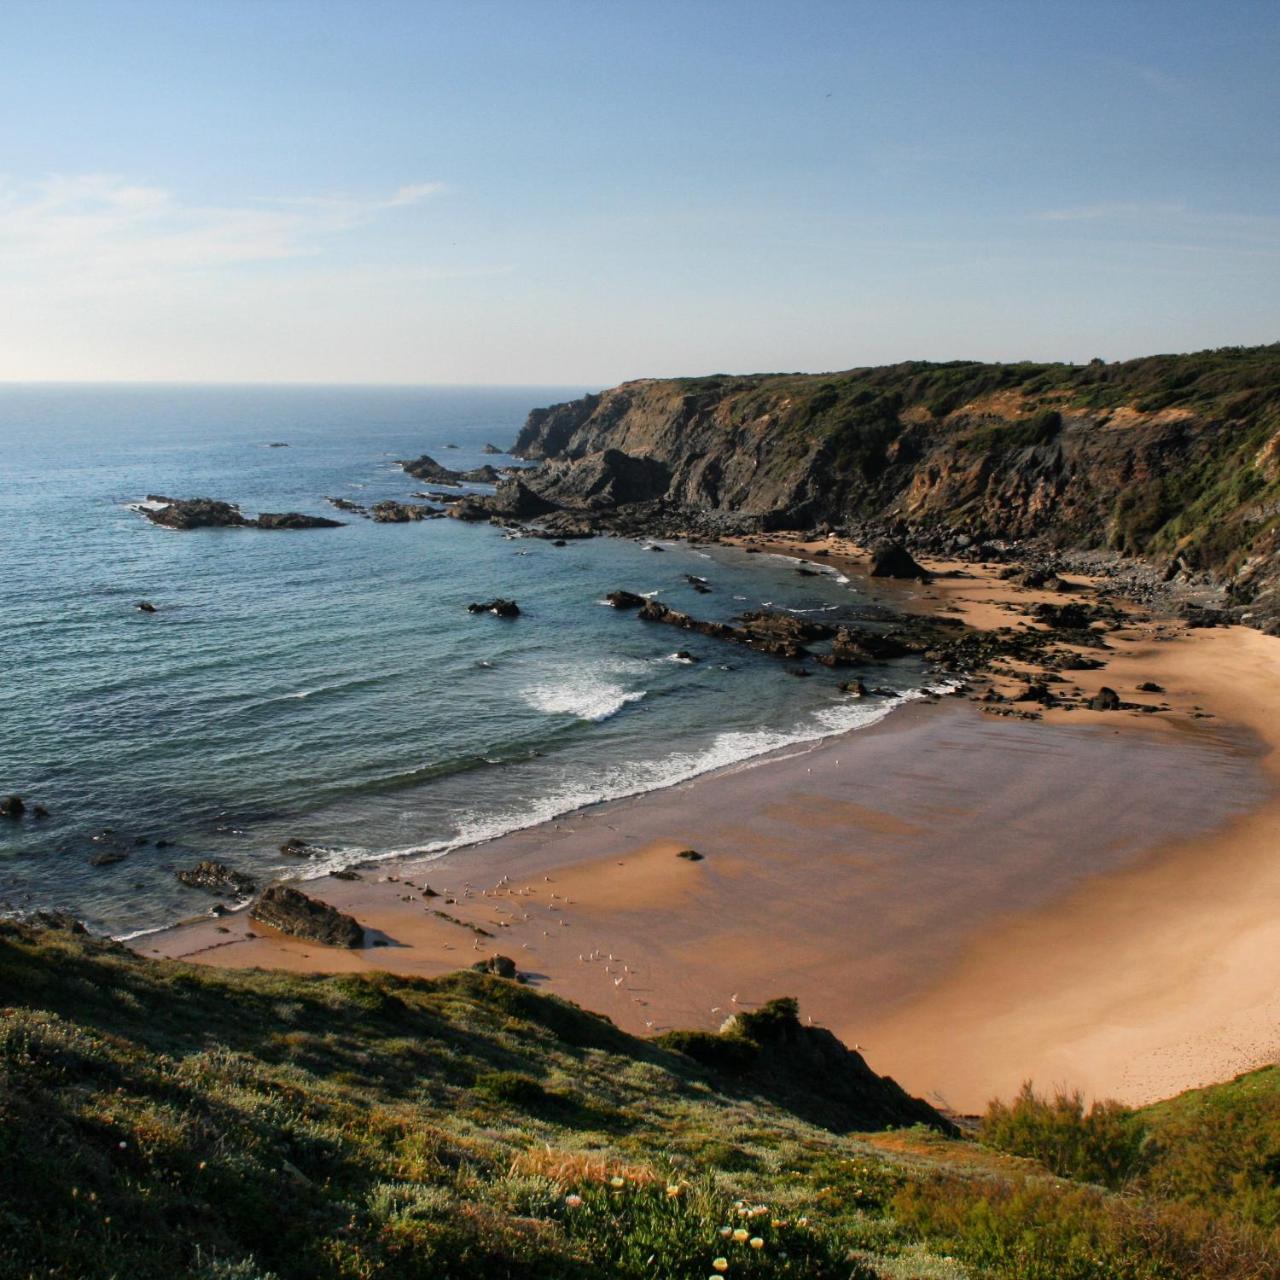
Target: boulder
(890, 559)
(1150, 686)
(470, 510)
(690, 855)
(217, 877)
(500, 608)
(1105, 700)
(1065, 617)
(499, 966)
(12, 807)
(296, 847)
(625, 600)
(516, 499)
(300, 916)
(145, 606)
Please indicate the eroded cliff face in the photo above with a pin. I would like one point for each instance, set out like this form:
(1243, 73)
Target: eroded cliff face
(1174, 458)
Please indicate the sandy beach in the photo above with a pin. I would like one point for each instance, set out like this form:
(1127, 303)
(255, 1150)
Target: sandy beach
(1085, 900)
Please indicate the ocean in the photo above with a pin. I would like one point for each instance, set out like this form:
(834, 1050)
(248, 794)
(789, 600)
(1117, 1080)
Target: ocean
(329, 685)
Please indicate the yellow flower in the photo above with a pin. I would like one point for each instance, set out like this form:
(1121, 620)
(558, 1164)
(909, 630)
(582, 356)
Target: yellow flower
(720, 1264)
(802, 1222)
(740, 1235)
(617, 1181)
(757, 1242)
(673, 1191)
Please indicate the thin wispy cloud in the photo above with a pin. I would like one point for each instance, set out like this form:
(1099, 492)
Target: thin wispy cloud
(100, 225)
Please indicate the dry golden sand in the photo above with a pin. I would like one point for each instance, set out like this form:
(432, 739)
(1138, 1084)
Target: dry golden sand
(1090, 900)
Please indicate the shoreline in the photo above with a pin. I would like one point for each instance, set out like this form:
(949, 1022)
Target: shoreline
(955, 989)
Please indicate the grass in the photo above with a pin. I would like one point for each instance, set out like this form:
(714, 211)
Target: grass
(168, 1120)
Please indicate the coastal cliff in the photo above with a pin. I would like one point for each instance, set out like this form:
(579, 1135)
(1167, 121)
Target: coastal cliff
(1173, 459)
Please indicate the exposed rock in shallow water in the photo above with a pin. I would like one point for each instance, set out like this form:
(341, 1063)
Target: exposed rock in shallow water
(300, 916)
(392, 512)
(499, 608)
(145, 606)
(345, 504)
(625, 600)
(12, 807)
(209, 513)
(217, 877)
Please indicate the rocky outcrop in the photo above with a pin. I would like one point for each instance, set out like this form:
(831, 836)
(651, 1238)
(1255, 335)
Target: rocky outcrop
(392, 512)
(499, 967)
(1171, 458)
(217, 877)
(427, 468)
(300, 916)
(209, 513)
(625, 600)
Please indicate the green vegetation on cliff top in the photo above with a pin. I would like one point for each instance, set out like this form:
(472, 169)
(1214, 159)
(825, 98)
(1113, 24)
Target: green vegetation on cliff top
(171, 1120)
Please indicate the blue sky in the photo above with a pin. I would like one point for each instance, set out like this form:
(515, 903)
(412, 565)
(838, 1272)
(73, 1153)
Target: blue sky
(556, 192)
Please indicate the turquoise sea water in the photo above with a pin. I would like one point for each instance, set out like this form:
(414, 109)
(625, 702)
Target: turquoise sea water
(330, 684)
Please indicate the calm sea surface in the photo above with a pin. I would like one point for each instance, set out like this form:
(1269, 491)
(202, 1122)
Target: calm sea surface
(330, 684)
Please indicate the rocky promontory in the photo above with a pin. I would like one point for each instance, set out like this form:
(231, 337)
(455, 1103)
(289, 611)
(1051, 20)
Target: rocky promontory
(1163, 472)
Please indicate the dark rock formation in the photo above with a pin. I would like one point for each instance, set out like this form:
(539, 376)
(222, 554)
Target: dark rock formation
(345, 504)
(217, 877)
(690, 855)
(392, 512)
(194, 513)
(300, 916)
(12, 807)
(145, 606)
(499, 966)
(208, 513)
(499, 608)
(891, 559)
(294, 520)
(1150, 686)
(492, 448)
(1105, 700)
(427, 468)
(61, 921)
(625, 600)
(297, 847)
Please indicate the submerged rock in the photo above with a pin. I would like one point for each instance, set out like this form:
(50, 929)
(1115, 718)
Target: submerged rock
(300, 916)
(12, 807)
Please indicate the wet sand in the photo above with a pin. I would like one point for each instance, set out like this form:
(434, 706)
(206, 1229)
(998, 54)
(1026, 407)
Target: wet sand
(972, 900)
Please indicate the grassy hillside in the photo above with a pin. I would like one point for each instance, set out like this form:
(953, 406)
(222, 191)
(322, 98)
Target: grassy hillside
(167, 1120)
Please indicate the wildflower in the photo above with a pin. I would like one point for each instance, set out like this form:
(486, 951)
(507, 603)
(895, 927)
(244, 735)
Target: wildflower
(573, 1201)
(720, 1264)
(726, 1231)
(674, 1190)
(757, 1242)
(617, 1181)
(740, 1235)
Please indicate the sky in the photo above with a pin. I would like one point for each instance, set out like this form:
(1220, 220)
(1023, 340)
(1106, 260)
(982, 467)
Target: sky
(577, 193)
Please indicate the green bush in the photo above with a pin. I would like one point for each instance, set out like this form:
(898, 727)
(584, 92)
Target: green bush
(513, 1087)
(1105, 1144)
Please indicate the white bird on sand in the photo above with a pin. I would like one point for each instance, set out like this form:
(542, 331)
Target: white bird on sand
(617, 982)
(733, 999)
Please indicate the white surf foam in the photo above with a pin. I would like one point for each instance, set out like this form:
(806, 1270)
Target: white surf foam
(585, 696)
